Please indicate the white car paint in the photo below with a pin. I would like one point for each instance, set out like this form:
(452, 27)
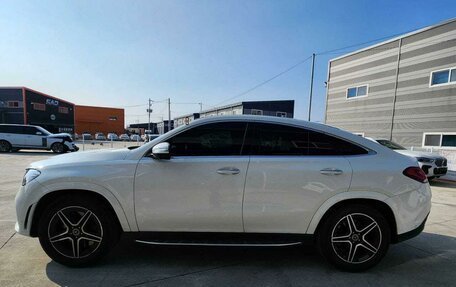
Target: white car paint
(281, 195)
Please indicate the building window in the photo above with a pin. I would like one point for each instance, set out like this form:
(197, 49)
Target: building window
(257, 112)
(39, 107)
(13, 104)
(63, 110)
(443, 77)
(439, 140)
(356, 92)
(113, 118)
(281, 114)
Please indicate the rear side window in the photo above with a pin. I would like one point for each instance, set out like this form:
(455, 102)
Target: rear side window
(11, 129)
(215, 139)
(274, 139)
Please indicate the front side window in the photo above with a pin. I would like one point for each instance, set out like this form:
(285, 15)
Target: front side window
(216, 139)
(275, 139)
(30, 130)
(447, 76)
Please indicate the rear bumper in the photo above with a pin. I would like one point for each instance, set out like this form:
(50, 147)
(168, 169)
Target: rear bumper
(412, 233)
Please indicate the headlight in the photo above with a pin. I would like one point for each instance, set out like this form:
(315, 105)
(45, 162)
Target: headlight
(425, 159)
(30, 174)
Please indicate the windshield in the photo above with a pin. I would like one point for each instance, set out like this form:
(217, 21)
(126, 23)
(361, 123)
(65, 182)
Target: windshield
(390, 144)
(45, 132)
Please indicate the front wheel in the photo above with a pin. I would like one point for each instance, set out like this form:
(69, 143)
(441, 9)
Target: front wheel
(58, 148)
(77, 231)
(354, 238)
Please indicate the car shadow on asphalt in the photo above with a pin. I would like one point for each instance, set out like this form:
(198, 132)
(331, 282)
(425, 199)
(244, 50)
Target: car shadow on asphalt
(31, 153)
(133, 264)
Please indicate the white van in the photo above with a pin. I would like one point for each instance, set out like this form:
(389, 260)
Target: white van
(15, 137)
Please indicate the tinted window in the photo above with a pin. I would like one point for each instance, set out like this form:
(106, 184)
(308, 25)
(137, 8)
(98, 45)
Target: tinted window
(30, 130)
(11, 129)
(272, 139)
(449, 140)
(211, 139)
(440, 77)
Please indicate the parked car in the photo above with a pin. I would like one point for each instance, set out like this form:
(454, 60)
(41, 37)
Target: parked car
(100, 137)
(433, 165)
(149, 137)
(15, 137)
(135, 138)
(112, 137)
(86, 136)
(124, 137)
(232, 180)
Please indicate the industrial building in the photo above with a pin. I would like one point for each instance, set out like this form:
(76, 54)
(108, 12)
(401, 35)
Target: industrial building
(89, 119)
(262, 108)
(21, 105)
(402, 89)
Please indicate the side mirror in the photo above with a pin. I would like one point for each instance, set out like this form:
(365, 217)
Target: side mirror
(161, 151)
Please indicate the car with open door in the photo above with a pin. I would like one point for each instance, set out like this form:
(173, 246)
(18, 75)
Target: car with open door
(229, 181)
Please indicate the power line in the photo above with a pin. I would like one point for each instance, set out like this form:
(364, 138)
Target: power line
(264, 82)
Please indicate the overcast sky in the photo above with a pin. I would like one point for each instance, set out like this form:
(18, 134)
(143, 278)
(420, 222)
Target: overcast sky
(120, 53)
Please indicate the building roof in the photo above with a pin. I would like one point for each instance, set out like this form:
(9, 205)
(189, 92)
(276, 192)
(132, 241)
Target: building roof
(414, 32)
(35, 91)
(98, 107)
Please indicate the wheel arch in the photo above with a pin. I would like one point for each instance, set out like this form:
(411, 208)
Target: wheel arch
(51, 196)
(374, 200)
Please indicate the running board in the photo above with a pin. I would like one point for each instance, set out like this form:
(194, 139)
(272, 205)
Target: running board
(247, 244)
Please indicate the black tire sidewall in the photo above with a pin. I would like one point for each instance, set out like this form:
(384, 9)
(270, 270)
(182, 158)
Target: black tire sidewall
(110, 229)
(57, 144)
(7, 144)
(325, 231)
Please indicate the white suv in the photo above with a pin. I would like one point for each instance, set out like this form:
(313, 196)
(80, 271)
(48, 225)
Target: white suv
(234, 180)
(16, 137)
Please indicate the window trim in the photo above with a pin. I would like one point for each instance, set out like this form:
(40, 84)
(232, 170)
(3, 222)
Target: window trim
(356, 87)
(12, 107)
(441, 134)
(450, 70)
(251, 112)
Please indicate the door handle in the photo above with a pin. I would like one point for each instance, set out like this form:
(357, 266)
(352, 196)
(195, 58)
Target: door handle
(331, 171)
(228, 170)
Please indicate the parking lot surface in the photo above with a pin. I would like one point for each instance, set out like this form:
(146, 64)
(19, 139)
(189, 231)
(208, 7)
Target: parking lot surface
(427, 260)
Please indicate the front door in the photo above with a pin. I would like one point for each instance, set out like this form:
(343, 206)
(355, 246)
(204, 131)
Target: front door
(200, 188)
(34, 137)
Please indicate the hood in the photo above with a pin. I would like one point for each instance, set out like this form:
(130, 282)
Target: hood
(85, 157)
(60, 135)
(413, 153)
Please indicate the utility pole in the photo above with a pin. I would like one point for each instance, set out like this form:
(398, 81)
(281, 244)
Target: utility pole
(311, 85)
(169, 114)
(149, 111)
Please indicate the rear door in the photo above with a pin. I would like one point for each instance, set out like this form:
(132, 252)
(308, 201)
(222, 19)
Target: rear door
(292, 171)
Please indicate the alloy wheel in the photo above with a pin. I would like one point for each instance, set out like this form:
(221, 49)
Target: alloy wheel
(4, 146)
(356, 238)
(75, 232)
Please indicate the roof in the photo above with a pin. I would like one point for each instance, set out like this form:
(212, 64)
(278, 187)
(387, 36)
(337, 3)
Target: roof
(35, 91)
(395, 39)
(98, 107)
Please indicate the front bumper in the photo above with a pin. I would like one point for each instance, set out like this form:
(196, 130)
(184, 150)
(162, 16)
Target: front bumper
(71, 146)
(26, 202)
(431, 169)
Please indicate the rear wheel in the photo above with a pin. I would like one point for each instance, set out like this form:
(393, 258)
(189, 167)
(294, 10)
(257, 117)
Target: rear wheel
(58, 148)
(77, 231)
(5, 146)
(354, 238)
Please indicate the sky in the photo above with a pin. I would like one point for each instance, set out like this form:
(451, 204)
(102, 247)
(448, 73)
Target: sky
(121, 53)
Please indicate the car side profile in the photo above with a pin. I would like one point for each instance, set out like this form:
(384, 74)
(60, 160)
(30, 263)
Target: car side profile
(229, 181)
(15, 137)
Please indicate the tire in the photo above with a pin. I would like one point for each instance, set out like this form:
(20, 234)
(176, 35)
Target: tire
(77, 231)
(354, 249)
(58, 148)
(5, 146)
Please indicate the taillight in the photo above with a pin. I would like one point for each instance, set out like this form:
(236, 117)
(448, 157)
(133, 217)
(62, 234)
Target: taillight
(415, 173)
